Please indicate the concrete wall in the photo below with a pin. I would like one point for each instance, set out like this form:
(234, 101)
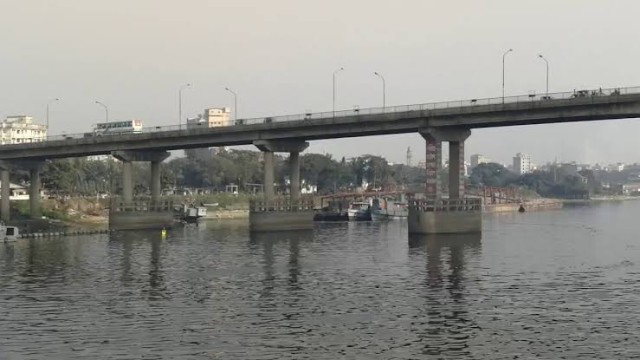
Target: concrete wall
(140, 220)
(444, 222)
(280, 220)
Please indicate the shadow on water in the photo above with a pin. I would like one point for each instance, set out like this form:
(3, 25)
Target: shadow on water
(445, 326)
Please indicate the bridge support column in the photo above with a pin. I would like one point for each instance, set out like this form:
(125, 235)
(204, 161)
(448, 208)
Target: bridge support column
(34, 192)
(134, 213)
(127, 158)
(274, 214)
(436, 214)
(433, 166)
(5, 193)
(268, 190)
(456, 170)
(156, 183)
(294, 174)
(127, 181)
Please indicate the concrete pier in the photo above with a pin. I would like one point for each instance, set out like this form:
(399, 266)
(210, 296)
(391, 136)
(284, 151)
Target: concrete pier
(283, 213)
(5, 192)
(132, 213)
(435, 214)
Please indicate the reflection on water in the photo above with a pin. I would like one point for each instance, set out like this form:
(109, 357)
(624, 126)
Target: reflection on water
(537, 285)
(447, 324)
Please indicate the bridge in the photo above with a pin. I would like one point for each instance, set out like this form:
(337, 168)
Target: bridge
(450, 122)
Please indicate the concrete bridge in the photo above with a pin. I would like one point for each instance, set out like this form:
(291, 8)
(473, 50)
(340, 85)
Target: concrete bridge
(450, 122)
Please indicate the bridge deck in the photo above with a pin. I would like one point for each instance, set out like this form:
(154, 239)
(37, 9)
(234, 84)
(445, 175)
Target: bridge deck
(475, 113)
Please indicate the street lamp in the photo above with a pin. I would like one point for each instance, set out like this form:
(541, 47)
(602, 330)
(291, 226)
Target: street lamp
(503, 56)
(547, 63)
(50, 101)
(334, 90)
(384, 95)
(180, 104)
(106, 110)
(235, 103)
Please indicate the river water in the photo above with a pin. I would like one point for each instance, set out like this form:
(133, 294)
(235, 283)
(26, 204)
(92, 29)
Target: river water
(547, 285)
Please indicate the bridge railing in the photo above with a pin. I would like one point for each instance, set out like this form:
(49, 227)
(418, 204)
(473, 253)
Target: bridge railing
(445, 205)
(533, 97)
(282, 204)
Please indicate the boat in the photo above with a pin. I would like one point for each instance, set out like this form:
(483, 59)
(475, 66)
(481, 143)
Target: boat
(359, 211)
(9, 233)
(189, 213)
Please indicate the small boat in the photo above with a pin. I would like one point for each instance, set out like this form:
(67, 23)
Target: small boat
(189, 213)
(9, 233)
(359, 211)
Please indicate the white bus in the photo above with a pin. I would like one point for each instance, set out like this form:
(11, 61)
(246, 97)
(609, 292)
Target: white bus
(117, 127)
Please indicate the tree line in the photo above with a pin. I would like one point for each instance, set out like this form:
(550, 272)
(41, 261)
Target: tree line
(214, 169)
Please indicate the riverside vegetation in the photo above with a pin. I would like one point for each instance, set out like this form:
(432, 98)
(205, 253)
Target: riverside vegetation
(79, 189)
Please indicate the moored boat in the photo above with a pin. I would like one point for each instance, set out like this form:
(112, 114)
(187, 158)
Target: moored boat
(359, 211)
(9, 233)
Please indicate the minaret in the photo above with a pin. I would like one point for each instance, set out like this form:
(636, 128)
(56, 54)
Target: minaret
(409, 156)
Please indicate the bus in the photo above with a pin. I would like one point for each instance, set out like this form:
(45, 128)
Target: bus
(117, 127)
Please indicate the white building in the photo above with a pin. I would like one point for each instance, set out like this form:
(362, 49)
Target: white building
(212, 117)
(21, 129)
(522, 164)
(477, 159)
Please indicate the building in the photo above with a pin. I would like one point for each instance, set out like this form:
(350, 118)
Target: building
(522, 164)
(21, 129)
(477, 159)
(212, 117)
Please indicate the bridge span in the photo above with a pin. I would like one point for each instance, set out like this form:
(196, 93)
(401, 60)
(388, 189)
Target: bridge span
(450, 122)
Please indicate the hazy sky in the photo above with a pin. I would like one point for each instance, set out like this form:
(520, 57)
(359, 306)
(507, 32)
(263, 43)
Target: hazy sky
(279, 56)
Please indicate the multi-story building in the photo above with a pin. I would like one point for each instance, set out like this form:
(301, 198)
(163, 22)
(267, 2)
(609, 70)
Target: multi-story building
(477, 159)
(212, 117)
(21, 129)
(522, 164)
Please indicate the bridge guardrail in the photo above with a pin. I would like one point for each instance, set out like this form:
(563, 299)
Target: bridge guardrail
(576, 94)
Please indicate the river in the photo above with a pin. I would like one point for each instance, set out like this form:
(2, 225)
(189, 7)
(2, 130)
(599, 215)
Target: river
(545, 285)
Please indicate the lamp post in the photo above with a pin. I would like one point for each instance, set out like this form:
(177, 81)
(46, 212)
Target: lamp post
(384, 90)
(235, 103)
(180, 104)
(503, 56)
(50, 101)
(547, 63)
(334, 90)
(106, 110)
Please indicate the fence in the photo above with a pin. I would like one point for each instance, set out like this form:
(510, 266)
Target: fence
(142, 205)
(445, 205)
(284, 204)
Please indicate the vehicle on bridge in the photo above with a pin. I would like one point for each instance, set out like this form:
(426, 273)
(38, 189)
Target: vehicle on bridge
(116, 127)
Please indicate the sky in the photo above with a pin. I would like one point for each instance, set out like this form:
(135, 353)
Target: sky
(279, 57)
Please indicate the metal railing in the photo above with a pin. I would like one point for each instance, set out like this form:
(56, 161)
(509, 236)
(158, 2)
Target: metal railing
(142, 205)
(576, 94)
(445, 205)
(283, 204)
